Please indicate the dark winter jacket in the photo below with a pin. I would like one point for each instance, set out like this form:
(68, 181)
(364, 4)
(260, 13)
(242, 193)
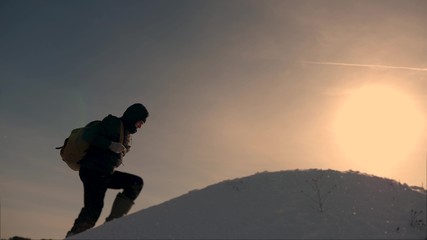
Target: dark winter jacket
(100, 135)
(99, 157)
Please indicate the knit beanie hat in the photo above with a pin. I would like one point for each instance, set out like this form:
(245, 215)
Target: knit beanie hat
(133, 114)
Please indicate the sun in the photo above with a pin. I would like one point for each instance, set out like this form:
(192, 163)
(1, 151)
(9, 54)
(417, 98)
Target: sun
(377, 127)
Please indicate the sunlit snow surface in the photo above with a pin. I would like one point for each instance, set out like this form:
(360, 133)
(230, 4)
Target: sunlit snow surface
(303, 204)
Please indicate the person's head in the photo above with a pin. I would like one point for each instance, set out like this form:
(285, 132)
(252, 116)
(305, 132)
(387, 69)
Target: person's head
(134, 117)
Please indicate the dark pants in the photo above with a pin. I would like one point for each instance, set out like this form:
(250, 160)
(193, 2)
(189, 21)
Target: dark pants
(95, 186)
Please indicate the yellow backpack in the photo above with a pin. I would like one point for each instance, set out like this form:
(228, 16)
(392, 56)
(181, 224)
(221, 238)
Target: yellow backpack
(75, 147)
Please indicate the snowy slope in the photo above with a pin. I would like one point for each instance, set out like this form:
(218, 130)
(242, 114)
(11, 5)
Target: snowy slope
(322, 204)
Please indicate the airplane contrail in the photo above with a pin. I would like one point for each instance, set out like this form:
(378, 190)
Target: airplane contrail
(366, 65)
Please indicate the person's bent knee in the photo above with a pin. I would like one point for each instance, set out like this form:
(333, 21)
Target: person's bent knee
(135, 189)
(139, 182)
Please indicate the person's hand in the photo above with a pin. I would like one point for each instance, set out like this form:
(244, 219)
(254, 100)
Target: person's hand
(117, 147)
(119, 161)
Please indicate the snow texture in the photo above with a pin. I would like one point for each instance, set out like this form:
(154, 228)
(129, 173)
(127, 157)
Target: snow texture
(298, 204)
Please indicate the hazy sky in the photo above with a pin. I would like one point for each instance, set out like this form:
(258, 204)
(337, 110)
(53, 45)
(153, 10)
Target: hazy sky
(233, 88)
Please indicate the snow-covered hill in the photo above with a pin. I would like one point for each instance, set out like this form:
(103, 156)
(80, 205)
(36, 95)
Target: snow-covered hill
(320, 204)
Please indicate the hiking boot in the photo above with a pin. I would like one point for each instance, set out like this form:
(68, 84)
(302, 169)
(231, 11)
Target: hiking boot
(121, 207)
(70, 234)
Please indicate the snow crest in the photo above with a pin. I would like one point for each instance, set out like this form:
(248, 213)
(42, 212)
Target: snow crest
(298, 204)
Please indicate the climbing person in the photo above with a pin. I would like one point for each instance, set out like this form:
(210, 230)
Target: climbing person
(109, 141)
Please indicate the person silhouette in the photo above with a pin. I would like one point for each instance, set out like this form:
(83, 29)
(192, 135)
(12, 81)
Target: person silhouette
(109, 141)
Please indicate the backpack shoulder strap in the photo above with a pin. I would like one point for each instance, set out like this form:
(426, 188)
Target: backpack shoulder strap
(122, 133)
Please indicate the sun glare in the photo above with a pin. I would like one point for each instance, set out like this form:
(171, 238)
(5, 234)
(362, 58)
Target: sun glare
(377, 127)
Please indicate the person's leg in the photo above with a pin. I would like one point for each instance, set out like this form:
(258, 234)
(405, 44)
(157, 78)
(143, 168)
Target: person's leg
(95, 187)
(131, 185)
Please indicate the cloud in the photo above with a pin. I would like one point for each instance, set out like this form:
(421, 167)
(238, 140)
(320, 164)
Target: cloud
(367, 65)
